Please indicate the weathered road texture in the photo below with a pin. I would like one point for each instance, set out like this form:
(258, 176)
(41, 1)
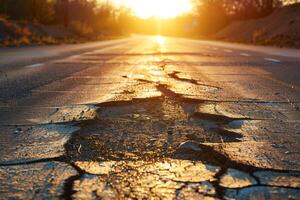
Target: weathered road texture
(150, 120)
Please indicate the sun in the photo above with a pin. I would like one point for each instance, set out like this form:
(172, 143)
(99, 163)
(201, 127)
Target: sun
(158, 8)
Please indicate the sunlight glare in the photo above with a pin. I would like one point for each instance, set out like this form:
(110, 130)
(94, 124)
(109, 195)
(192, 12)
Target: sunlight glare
(158, 8)
(159, 40)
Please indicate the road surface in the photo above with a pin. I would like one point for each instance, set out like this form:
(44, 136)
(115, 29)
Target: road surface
(150, 118)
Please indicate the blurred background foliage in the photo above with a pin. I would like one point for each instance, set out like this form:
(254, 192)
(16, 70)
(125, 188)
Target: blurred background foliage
(90, 18)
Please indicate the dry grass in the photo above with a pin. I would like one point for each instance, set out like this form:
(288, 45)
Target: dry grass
(14, 34)
(12, 30)
(15, 42)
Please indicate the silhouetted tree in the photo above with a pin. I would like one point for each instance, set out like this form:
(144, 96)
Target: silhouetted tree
(38, 10)
(212, 16)
(62, 11)
(249, 9)
(216, 14)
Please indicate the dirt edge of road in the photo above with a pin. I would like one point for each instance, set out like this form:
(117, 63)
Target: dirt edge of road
(281, 28)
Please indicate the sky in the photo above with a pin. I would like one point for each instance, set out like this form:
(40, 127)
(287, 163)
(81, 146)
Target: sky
(156, 8)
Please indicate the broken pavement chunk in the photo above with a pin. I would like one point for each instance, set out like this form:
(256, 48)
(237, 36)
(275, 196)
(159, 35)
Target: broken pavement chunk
(34, 181)
(139, 179)
(97, 168)
(72, 114)
(280, 179)
(40, 142)
(236, 179)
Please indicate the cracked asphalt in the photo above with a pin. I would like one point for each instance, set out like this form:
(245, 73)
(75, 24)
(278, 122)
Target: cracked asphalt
(150, 118)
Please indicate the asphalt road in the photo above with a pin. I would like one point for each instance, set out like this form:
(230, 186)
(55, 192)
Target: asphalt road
(150, 118)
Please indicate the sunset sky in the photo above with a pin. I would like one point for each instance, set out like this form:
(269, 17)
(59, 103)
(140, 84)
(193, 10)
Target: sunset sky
(157, 8)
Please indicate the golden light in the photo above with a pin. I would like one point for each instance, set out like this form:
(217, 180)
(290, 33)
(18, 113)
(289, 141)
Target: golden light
(159, 40)
(157, 8)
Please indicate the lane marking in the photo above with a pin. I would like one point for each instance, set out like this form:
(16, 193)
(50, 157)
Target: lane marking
(35, 65)
(272, 60)
(228, 50)
(245, 54)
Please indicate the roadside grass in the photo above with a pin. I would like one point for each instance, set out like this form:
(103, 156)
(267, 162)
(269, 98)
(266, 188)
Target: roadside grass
(15, 34)
(12, 29)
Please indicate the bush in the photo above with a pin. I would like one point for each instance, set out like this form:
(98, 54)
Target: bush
(12, 30)
(49, 40)
(15, 42)
(24, 41)
(81, 29)
(39, 10)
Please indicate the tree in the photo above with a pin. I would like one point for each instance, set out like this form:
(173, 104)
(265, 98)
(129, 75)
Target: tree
(31, 10)
(212, 16)
(62, 11)
(249, 9)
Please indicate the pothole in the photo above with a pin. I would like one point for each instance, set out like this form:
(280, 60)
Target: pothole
(129, 136)
(160, 123)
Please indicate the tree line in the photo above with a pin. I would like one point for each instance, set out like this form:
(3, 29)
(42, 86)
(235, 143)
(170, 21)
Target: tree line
(91, 16)
(87, 15)
(216, 14)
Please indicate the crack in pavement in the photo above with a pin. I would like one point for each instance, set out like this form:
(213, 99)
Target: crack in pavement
(207, 154)
(69, 183)
(28, 162)
(133, 136)
(175, 76)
